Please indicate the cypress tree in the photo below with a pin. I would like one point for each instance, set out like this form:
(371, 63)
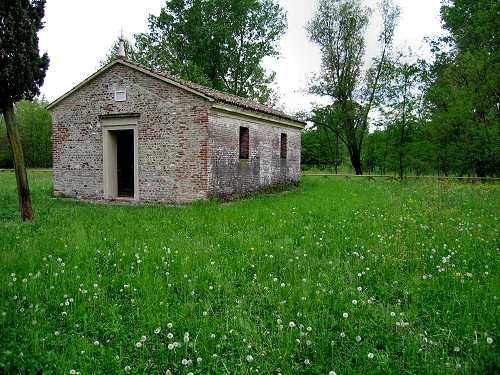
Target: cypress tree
(22, 71)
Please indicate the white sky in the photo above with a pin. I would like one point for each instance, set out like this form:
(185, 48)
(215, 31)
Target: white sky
(78, 34)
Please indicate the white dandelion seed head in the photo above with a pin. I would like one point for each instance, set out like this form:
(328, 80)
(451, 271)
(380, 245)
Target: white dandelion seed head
(138, 344)
(371, 355)
(291, 324)
(489, 340)
(354, 302)
(332, 373)
(358, 338)
(143, 338)
(345, 315)
(127, 368)
(249, 358)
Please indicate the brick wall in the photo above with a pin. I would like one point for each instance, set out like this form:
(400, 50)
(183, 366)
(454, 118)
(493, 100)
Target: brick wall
(172, 132)
(231, 175)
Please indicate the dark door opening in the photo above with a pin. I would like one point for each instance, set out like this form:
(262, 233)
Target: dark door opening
(125, 162)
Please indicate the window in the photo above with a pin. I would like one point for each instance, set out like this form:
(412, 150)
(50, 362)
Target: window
(244, 143)
(283, 146)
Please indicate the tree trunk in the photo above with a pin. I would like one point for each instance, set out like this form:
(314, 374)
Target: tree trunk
(356, 160)
(18, 160)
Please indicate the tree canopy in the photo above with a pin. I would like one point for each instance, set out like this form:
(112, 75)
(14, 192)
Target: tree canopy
(217, 43)
(339, 28)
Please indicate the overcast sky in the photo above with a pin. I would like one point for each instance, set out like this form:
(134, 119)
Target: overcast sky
(78, 34)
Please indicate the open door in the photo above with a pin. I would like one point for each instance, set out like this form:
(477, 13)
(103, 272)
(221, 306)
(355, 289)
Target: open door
(120, 158)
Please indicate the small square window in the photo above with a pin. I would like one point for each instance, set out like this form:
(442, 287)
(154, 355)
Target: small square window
(283, 151)
(244, 143)
(120, 95)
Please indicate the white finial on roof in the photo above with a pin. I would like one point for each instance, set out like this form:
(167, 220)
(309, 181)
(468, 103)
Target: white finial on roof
(121, 48)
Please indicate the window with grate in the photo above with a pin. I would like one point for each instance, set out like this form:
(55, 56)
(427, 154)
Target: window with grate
(283, 146)
(244, 143)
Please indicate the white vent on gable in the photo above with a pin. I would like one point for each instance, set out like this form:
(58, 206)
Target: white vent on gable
(120, 95)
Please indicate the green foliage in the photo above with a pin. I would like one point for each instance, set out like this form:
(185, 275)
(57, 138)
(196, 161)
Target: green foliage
(215, 43)
(464, 94)
(22, 70)
(339, 28)
(35, 128)
(320, 147)
(414, 265)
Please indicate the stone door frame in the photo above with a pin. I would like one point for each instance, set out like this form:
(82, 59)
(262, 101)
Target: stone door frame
(110, 173)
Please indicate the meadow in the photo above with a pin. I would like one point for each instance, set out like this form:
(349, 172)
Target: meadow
(335, 276)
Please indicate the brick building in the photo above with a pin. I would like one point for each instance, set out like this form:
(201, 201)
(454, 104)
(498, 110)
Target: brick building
(127, 132)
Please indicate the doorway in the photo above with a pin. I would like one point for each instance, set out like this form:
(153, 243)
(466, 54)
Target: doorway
(125, 162)
(120, 158)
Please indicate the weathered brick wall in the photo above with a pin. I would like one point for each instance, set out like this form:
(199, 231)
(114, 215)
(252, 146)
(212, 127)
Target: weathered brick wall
(229, 175)
(172, 132)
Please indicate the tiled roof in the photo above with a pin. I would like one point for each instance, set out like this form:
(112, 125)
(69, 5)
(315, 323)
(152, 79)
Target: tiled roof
(219, 95)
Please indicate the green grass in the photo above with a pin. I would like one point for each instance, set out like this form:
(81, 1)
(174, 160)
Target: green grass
(84, 283)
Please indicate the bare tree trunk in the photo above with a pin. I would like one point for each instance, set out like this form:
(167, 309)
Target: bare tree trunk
(18, 160)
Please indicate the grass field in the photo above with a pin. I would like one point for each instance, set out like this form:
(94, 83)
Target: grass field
(333, 277)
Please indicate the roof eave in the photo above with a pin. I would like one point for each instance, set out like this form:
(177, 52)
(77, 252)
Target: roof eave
(258, 115)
